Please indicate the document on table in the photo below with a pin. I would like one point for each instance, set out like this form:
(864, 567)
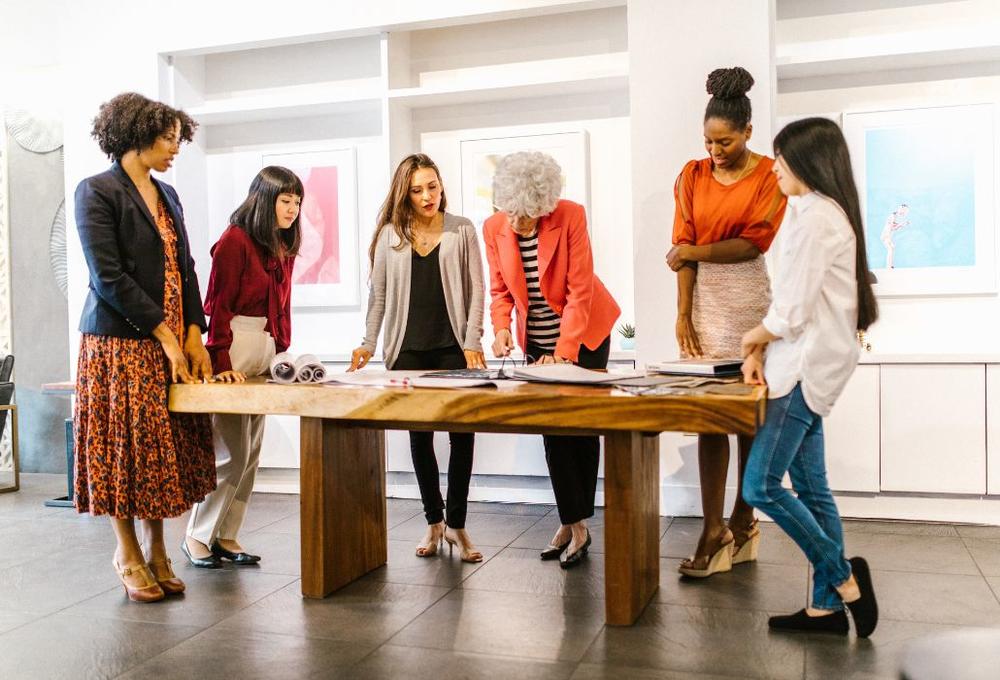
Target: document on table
(403, 379)
(569, 374)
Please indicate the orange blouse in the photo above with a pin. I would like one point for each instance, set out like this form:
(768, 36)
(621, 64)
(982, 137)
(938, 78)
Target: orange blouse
(708, 211)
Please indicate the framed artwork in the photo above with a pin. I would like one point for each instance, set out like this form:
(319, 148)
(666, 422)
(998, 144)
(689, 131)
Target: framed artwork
(326, 270)
(926, 181)
(480, 158)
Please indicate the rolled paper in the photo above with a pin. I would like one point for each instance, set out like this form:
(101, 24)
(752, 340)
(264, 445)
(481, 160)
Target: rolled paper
(309, 369)
(283, 368)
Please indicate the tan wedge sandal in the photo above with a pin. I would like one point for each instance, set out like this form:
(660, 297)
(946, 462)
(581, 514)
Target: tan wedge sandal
(746, 550)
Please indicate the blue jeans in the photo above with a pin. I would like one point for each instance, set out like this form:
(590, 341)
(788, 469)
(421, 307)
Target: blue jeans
(791, 440)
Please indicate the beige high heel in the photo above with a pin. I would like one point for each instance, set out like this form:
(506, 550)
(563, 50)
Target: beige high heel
(430, 547)
(721, 560)
(151, 592)
(166, 577)
(467, 552)
(747, 551)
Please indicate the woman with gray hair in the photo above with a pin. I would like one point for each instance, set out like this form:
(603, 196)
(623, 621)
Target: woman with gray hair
(541, 264)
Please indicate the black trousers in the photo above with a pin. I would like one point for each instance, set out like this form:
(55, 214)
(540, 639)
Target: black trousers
(422, 446)
(573, 461)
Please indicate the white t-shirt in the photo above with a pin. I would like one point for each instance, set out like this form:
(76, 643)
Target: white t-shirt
(814, 309)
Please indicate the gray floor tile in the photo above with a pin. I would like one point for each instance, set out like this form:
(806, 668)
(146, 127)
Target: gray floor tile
(894, 552)
(9, 620)
(59, 580)
(870, 526)
(445, 569)
(533, 510)
(290, 524)
(267, 508)
(994, 582)
(366, 612)
(211, 595)
(700, 640)
(280, 553)
(759, 586)
(595, 671)
(776, 547)
(936, 598)
(66, 646)
(485, 530)
(539, 535)
(518, 570)
(850, 658)
(392, 661)
(977, 531)
(401, 509)
(249, 655)
(986, 553)
(508, 624)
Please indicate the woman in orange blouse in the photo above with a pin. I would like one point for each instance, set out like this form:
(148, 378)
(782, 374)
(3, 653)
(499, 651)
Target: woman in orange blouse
(728, 208)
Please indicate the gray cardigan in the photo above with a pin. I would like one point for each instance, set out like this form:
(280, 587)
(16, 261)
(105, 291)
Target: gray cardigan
(461, 278)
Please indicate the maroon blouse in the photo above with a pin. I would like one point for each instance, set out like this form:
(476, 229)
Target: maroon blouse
(246, 281)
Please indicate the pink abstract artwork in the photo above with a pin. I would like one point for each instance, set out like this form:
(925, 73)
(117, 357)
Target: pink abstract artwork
(319, 254)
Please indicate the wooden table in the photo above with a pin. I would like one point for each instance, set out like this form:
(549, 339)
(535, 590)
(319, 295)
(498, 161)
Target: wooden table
(343, 462)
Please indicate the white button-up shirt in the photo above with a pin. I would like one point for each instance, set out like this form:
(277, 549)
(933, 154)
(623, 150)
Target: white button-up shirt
(814, 309)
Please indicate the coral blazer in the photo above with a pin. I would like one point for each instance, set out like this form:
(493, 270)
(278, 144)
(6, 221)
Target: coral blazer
(566, 276)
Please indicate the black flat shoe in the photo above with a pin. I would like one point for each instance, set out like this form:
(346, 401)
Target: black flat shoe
(552, 552)
(569, 561)
(210, 562)
(864, 610)
(801, 622)
(235, 557)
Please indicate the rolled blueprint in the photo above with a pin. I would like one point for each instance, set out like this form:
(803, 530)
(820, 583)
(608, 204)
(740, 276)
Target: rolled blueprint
(283, 368)
(309, 369)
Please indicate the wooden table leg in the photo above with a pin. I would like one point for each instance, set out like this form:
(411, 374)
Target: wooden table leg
(631, 524)
(344, 532)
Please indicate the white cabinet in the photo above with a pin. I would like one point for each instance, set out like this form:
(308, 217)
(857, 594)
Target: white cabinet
(852, 434)
(934, 428)
(993, 430)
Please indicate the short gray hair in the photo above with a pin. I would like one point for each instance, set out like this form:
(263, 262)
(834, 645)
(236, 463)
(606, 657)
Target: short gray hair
(527, 183)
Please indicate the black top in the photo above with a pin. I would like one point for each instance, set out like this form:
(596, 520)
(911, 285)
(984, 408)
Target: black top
(427, 322)
(125, 257)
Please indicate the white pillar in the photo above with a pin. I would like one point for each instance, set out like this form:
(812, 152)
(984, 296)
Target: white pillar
(673, 45)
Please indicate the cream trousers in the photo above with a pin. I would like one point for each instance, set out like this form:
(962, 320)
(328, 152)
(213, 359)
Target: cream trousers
(237, 440)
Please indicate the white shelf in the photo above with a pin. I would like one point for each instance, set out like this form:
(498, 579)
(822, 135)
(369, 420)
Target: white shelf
(294, 102)
(571, 75)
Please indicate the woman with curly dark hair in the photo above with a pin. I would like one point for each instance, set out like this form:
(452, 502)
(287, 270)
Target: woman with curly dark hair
(728, 208)
(141, 324)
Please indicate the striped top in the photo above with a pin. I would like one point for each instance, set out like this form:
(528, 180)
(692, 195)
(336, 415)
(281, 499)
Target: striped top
(543, 323)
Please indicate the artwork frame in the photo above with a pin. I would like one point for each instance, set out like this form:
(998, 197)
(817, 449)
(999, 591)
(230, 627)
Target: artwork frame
(331, 277)
(936, 164)
(570, 149)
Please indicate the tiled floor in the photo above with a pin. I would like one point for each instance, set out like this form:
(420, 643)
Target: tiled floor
(62, 614)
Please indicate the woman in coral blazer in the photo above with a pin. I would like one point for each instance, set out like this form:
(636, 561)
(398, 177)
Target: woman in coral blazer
(541, 264)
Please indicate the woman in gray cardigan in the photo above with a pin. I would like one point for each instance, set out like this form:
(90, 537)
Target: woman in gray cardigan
(427, 292)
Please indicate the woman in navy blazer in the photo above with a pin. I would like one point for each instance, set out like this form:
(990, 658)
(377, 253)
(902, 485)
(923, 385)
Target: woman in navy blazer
(141, 330)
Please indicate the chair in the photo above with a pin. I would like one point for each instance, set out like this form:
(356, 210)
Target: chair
(6, 397)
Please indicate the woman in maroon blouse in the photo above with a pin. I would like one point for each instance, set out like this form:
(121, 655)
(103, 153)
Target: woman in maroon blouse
(248, 301)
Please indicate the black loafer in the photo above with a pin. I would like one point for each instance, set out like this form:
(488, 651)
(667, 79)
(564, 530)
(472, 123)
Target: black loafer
(235, 557)
(569, 561)
(800, 621)
(552, 552)
(864, 610)
(210, 562)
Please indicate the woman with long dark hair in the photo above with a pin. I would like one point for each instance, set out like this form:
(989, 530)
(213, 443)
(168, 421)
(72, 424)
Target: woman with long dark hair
(728, 208)
(427, 294)
(822, 298)
(249, 309)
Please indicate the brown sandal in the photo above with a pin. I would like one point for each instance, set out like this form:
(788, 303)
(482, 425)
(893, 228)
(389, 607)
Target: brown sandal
(166, 577)
(151, 592)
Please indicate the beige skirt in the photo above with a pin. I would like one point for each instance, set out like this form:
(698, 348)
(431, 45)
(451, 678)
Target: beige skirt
(729, 300)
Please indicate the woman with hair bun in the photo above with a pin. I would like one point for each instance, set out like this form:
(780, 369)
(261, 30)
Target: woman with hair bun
(727, 211)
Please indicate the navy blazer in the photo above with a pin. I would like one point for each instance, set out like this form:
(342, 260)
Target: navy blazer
(125, 257)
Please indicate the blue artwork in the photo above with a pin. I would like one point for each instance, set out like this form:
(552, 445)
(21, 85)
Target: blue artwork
(920, 196)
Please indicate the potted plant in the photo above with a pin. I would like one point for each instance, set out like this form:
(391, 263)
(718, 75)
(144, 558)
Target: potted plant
(627, 331)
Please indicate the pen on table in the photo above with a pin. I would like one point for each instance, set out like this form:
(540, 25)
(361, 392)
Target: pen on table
(400, 382)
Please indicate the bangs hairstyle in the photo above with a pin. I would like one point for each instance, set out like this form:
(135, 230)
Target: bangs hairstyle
(396, 209)
(527, 183)
(131, 122)
(257, 216)
(729, 102)
(815, 150)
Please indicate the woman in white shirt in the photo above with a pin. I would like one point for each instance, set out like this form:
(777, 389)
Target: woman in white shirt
(822, 298)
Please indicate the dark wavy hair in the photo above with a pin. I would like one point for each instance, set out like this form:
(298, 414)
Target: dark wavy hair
(815, 150)
(131, 122)
(256, 215)
(729, 87)
(396, 209)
